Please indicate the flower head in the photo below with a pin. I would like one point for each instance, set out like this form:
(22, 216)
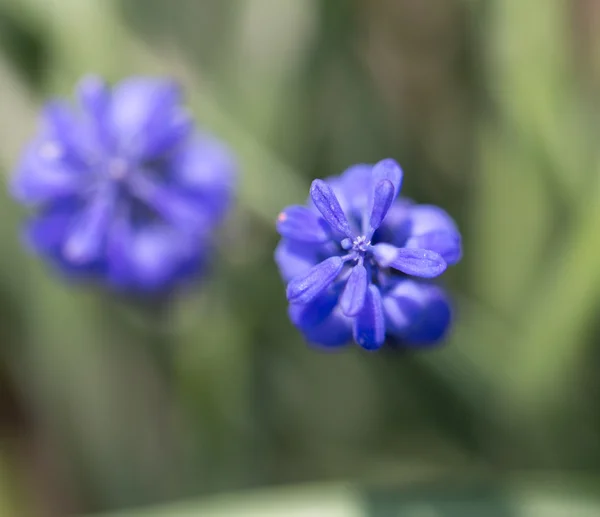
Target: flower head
(126, 190)
(354, 258)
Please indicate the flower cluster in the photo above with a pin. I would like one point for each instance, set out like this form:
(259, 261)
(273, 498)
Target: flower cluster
(349, 257)
(126, 190)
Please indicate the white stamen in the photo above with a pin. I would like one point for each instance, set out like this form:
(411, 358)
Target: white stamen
(361, 243)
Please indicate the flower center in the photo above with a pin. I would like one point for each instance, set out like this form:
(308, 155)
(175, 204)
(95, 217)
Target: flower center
(361, 244)
(117, 168)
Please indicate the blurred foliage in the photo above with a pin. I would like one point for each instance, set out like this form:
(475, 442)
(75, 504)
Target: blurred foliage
(491, 107)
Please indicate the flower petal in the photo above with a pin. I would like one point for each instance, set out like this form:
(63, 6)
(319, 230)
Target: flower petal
(434, 322)
(388, 169)
(85, 240)
(395, 228)
(208, 168)
(294, 258)
(46, 232)
(429, 218)
(430, 227)
(172, 203)
(94, 96)
(353, 189)
(301, 224)
(308, 315)
(369, 324)
(384, 254)
(69, 137)
(353, 296)
(333, 332)
(383, 197)
(327, 203)
(146, 116)
(417, 313)
(150, 258)
(42, 175)
(446, 243)
(415, 262)
(400, 313)
(304, 288)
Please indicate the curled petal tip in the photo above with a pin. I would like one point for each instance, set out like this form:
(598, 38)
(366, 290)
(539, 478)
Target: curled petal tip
(389, 169)
(383, 198)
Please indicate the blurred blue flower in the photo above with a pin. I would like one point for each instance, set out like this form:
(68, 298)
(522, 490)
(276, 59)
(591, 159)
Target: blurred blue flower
(349, 256)
(126, 190)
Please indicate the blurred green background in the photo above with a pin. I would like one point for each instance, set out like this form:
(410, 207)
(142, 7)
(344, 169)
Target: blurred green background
(492, 108)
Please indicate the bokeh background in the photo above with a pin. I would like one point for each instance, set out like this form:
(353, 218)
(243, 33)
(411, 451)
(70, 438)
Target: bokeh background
(492, 108)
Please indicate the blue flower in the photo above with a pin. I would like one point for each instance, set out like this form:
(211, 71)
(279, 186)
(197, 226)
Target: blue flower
(126, 190)
(354, 259)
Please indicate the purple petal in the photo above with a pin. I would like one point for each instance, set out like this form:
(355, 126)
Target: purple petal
(208, 168)
(306, 316)
(353, 296)
(94, 96)
(173, 204)
(295, 258)
(402, 305)
(86, 238)
(396, 227)
(119, 254)
(432, 228)
(304, 288)
(382, 200)
(301, 224)
(327, 203)
(388, 170)
(70, 137)
(400, 314)
(369, 324)
(447, 244)
(434, 323)
(46, 233)
(384, 254)
(353, 189)
(417, 313)
(146, 116)
(149, 258)
(333, 332)
(136, 101)
(429, 218)
(60, 122)
(42, 175)
(168, 134)
(415, 262)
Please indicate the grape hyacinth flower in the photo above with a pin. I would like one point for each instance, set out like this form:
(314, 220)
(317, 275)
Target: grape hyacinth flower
(355, 259)
(126, 190)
